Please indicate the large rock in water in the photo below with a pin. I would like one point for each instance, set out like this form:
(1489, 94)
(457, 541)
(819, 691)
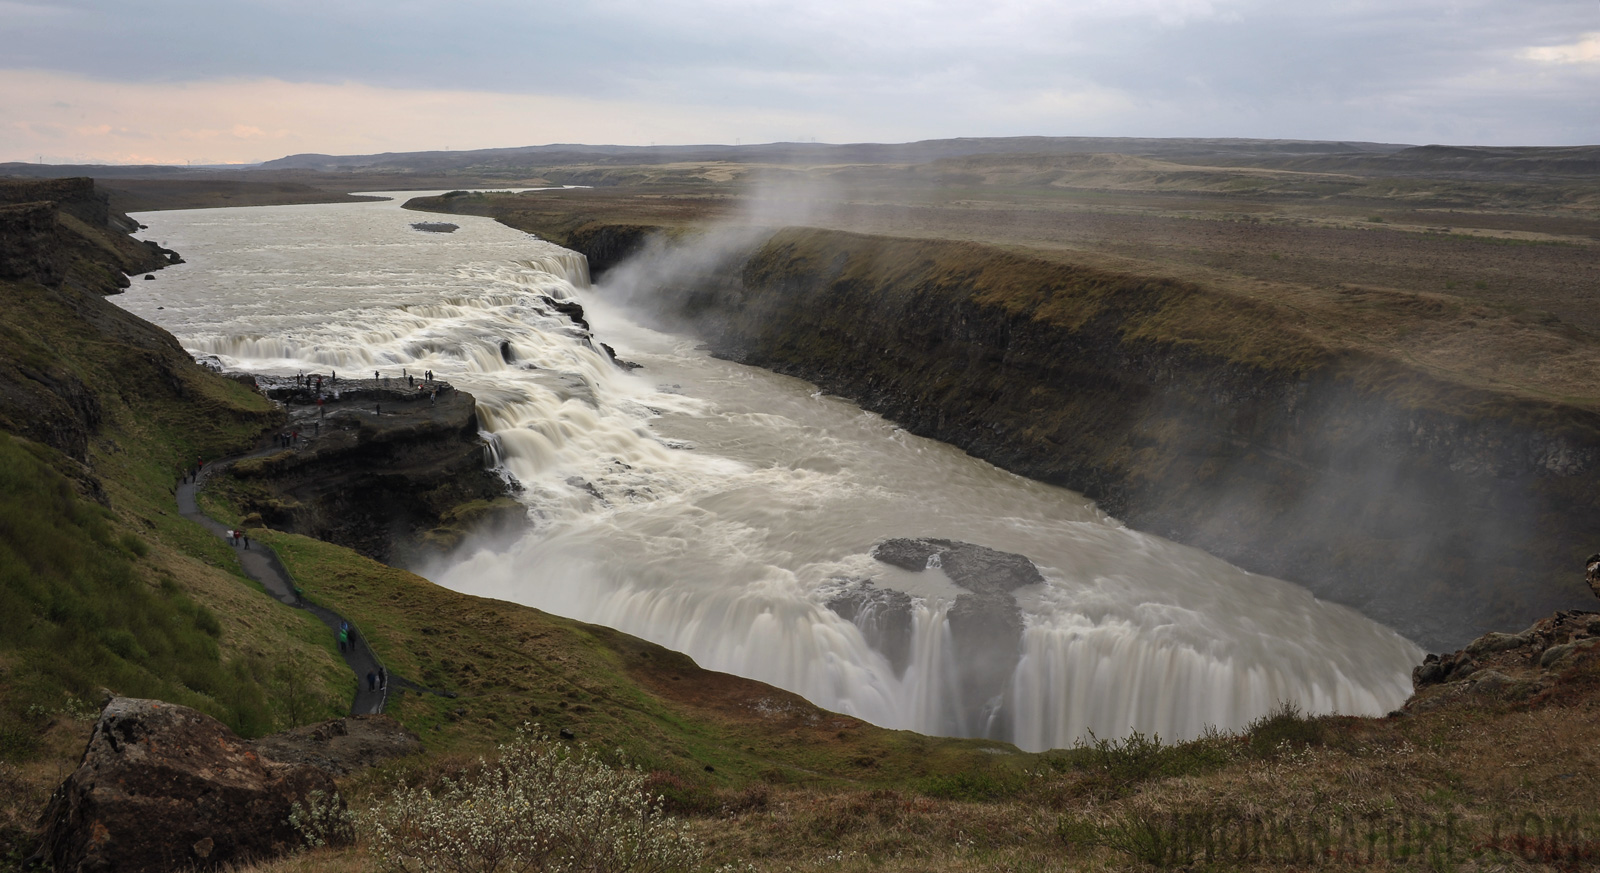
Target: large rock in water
(985, 622)
(163, 787)
(883, 616)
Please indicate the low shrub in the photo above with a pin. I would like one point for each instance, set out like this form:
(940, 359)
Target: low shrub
(1284, 728)
(539, 807)
(1121, 764)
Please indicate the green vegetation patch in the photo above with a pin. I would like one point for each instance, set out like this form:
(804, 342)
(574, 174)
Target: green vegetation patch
(80, 617)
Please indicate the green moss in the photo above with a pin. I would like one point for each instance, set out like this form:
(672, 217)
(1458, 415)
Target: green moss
(80, 617)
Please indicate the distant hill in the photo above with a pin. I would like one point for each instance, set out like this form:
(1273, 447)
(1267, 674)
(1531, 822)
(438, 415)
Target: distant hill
(823, 153)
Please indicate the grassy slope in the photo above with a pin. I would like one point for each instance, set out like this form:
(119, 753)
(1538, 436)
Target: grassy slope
(154, 420)
(103, 585)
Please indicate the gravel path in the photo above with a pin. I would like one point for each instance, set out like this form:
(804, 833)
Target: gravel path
(261, 564)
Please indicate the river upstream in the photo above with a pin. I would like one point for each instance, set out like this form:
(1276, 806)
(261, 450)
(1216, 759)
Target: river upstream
(714, 508)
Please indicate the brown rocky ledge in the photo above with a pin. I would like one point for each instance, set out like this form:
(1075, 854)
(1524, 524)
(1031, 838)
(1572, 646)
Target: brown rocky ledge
(1527, 667)
(342, 745)
(383, 470)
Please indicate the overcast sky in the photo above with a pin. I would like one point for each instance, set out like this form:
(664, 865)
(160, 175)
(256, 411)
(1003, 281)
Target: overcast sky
(169, 81)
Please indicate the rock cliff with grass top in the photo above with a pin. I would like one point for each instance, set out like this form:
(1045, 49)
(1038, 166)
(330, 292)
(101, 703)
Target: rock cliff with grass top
(387, 472)
(1442, 505)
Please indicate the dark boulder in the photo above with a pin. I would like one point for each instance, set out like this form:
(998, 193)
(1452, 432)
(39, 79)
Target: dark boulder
(985, 623)
(910, 554)
(978, 569)
(163, 787)
(572, 309)
(884, 617)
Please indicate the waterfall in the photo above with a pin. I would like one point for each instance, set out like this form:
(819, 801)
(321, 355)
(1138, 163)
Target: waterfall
(715, 509)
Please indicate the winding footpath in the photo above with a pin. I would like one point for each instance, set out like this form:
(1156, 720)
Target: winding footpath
(261, 564)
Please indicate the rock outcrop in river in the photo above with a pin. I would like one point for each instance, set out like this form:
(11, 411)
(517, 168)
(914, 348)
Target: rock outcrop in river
(985, 621)
(388, 472)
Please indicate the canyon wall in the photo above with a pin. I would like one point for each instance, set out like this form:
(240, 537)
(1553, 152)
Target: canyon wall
(1439, 509)
(63, 232)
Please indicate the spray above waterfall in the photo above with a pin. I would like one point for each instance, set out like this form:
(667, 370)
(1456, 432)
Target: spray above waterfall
(722, 511)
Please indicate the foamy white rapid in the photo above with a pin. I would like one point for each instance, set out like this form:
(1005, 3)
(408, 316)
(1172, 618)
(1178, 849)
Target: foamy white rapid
(712, 507)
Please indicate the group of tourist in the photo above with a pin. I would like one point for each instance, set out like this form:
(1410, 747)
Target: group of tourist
(314, 381)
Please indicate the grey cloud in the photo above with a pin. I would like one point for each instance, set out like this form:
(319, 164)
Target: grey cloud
(925, 67)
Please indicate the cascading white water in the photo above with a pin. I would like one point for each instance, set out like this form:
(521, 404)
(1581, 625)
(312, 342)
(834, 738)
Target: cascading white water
(713, 508)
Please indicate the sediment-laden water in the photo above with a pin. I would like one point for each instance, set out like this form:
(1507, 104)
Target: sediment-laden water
(714, 508)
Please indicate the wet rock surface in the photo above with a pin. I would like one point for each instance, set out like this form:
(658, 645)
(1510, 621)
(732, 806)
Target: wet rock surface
(164, 787)
(882, 614)
(985, 621)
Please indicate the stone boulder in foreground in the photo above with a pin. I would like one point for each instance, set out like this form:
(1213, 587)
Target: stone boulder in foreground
(163, 787)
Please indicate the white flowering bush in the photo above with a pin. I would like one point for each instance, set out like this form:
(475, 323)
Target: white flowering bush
(323, 820)
(539, 807)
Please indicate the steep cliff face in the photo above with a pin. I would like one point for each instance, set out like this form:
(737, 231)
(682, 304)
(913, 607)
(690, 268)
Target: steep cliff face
(61, 231)
(1438, 509)
(400, 487)
(65, 352)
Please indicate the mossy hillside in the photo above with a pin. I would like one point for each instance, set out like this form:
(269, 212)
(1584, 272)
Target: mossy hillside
(114, 589)
(507, 665)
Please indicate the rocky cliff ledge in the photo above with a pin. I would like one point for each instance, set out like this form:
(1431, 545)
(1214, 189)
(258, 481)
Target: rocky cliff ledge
(1439, 509)
(382, 470)
(55, 231)
(1534, 666)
